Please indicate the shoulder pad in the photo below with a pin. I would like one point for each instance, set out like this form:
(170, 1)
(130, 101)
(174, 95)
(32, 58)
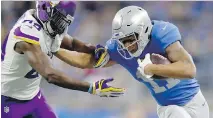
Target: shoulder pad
(28, 31)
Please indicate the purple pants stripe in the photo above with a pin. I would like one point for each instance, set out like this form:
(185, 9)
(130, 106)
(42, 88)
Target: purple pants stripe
(3, 48)
(37, 107)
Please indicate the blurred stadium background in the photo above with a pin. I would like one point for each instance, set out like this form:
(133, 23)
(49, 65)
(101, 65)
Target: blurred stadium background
(93, 25)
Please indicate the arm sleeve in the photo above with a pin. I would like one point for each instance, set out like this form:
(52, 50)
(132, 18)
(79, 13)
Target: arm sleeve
(110, 46)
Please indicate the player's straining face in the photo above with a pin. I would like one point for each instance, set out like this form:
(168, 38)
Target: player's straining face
(130, 43)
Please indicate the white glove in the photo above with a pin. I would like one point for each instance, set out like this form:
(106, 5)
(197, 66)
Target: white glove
(142, 65)
(57, 41)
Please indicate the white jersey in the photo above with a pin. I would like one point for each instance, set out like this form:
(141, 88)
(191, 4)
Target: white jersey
(18, 79)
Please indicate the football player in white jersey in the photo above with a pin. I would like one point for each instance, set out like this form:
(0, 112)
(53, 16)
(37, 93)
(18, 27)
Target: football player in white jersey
(25, 61)
(171, 81)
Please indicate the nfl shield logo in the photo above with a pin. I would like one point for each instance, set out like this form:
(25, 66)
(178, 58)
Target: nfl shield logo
(6, 109)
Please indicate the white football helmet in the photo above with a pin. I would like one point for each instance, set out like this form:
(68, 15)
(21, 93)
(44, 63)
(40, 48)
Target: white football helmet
(131, 21)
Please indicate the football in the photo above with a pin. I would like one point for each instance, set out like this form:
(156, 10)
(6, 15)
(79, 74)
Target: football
(159, 59)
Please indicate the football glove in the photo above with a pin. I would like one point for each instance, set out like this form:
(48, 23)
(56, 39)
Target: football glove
(101, 89)
(57, 41)
(142, 64)
(101, 56)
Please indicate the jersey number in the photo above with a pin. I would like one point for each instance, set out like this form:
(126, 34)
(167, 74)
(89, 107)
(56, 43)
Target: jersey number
(33, 24)
(32, 74)
(159, 88)
(30, 22)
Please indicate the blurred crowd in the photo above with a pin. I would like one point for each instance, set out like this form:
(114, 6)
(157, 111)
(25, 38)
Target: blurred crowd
(92, 24)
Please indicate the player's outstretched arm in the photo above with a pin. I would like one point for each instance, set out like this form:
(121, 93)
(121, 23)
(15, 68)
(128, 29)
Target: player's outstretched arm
(79, 60)
(40, 62)
(72, 44)
(76, 59)
(78, 54)
(182, 65)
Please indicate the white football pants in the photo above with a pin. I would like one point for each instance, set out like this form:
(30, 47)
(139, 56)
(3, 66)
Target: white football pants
(196, 108)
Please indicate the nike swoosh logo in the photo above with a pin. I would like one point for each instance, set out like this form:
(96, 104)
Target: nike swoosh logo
(164, 27)
(204, 104)
(39, 97)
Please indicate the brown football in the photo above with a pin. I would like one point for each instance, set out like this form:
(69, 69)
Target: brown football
(159, 59)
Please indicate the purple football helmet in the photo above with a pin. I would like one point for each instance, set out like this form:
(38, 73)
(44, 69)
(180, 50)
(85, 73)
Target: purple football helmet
(56, 16)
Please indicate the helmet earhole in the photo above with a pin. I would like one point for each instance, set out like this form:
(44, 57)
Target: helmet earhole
(146, 30)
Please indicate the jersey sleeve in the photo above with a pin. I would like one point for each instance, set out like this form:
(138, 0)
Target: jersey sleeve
(111, 48)
(169, 36)
(26, 33)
